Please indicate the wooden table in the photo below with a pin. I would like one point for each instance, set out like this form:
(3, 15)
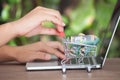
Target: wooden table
(16, 71)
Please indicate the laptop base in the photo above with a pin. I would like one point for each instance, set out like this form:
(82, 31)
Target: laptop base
(55, 65)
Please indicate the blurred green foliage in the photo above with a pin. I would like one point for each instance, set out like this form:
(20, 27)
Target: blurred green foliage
(81, 17)
(85, 16)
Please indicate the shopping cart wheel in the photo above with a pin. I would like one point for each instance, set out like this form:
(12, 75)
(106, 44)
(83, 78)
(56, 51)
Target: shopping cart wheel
(64, 69)
(88, 69)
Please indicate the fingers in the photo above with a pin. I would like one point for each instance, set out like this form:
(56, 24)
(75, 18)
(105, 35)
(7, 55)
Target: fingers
(49, 31)
(45, 51)
(54, 51)
(53, 12)
(59, 24)
(53, 16)
(38, 50)
(42, 30)
(45, 48)
(41, 56)
(60, 28)
(56, 45)
(34, 19)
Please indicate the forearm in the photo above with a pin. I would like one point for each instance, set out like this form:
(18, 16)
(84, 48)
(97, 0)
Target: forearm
(7, 32)
(7, 53)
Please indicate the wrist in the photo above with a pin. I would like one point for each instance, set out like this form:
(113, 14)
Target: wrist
(7, 32)
(16, 28)
(13, 29)
(19, 27)
(7, 53)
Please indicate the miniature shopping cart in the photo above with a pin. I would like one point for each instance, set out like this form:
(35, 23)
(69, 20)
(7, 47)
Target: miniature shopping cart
(76, 49)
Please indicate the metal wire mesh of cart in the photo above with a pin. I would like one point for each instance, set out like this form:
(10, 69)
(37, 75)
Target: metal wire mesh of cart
(77, 48)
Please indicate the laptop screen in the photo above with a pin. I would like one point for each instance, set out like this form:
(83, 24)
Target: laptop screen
(108, 33)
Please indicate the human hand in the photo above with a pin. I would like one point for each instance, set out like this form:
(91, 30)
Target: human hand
(39, 50)
(30, 24)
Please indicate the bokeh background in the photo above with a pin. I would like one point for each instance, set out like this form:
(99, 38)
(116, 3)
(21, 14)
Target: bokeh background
(80, 16)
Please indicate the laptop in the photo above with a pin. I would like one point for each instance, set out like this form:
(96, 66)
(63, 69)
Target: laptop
(89, 63)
